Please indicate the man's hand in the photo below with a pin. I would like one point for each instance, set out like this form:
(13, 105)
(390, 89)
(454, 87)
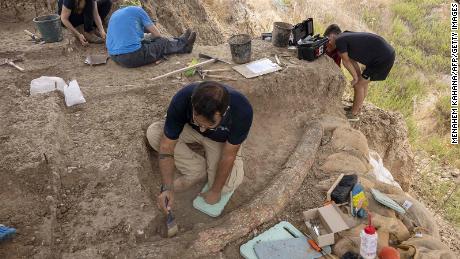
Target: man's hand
(211, 197)
(162, 200)
(103, 34)
(83, 40)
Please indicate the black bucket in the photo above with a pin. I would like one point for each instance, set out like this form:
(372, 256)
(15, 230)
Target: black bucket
(240, 46)
(49, 27)
(281, 34)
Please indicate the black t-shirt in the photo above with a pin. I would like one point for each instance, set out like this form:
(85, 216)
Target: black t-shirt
(69, 4)
(366, 48)
(233, 128)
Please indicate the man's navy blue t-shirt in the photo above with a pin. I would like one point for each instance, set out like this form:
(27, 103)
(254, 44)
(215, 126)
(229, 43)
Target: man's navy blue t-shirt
(367, 48)
(233, 128)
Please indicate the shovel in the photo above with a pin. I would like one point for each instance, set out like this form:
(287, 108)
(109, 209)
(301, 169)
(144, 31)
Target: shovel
(8, 61)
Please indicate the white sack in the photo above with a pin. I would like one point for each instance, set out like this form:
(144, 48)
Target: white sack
(380, 172)
(73, 94)
(45, 84)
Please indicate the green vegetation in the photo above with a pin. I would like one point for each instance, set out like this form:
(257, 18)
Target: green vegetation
(419, 32)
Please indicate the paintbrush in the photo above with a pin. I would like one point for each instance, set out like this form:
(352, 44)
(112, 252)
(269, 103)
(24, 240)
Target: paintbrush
(171, 222)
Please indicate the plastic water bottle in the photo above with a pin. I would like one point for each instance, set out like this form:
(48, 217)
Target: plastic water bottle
(368, 248)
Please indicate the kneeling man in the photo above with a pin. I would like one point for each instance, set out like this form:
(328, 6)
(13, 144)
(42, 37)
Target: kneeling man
(128, 47)
(214, 115)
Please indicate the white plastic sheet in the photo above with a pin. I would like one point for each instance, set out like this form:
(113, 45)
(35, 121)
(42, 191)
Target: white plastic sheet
(73, 94)
(380, 172)
(45, 84)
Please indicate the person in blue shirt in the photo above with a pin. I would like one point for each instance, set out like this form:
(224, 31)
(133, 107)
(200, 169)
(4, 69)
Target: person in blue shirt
(128, 47)
(88, 13)
(213, 115)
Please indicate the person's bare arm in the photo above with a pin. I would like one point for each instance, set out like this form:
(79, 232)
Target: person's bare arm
(357, 68)
(166, 163)
(98, 21)
(224, 169)
(348, 63)
(153, 30)
(65, 14)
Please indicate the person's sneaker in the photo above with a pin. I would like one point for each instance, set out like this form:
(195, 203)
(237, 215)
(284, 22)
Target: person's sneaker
(92, 38)
(347, 108)
(186, 34)
(190, 42)
(352, 117)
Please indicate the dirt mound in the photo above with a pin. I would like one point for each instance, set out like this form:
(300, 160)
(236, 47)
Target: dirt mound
(386, 133)
(81, 181)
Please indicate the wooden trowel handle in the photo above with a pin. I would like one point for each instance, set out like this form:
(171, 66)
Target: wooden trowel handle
(29, 33)
(16, 66)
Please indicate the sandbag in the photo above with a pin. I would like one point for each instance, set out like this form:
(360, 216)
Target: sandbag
(45, 84)
(425, 247)
(393, 226)
(345, 138)
(73, 94)
(345, 163)
(417, 216)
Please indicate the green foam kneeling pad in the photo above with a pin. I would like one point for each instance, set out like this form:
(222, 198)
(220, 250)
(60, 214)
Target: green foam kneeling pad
(212, 210)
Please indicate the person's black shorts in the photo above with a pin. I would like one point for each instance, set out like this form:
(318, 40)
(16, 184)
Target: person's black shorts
(380, 71)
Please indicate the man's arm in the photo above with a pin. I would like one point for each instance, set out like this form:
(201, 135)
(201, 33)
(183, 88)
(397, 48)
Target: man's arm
(166, 163)
(348, 63)
(65, 14)
(224, 170)
(98, 21)
(153, 30)
(357, 68)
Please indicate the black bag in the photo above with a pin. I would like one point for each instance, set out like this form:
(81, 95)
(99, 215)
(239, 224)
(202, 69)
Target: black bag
(313, 48)
(302, 30)
(341, 193)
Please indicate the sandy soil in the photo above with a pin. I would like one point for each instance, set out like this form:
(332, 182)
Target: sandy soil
(81, 182)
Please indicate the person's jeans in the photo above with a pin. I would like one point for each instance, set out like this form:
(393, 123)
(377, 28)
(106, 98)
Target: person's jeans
(152, 50)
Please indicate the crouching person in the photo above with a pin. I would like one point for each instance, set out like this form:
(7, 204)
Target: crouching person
(213, 115)
(88, 13)
(128, 47)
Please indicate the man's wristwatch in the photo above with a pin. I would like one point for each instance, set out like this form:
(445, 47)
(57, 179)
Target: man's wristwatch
(166, 187)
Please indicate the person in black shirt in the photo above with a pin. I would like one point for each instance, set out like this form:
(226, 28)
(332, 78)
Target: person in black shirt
(87, 12)
(368, 49)
(213, 115)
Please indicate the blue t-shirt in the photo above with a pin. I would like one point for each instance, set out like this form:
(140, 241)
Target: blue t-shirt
(126, 30)
(233, 128)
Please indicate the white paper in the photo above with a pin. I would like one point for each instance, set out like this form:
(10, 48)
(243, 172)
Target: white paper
(407, 204)
(261, 66)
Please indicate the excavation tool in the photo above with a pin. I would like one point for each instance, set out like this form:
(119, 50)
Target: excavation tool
(205, 73)
(9, 61)
(34, 37)
(201, 55)
(209, 61)
(171, 222)
(315, 246)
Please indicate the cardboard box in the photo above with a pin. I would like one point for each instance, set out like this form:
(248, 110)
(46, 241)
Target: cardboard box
(330, 220)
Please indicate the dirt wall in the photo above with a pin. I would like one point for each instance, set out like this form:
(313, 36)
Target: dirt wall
(386, 133)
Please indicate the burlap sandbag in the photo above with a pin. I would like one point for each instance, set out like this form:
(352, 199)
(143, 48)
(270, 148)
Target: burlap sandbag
(417, 216)
(426, 247)
(350, 240)
(344, 162)
(393, 226)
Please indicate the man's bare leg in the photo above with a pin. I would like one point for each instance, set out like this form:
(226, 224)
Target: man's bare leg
(360, 92)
